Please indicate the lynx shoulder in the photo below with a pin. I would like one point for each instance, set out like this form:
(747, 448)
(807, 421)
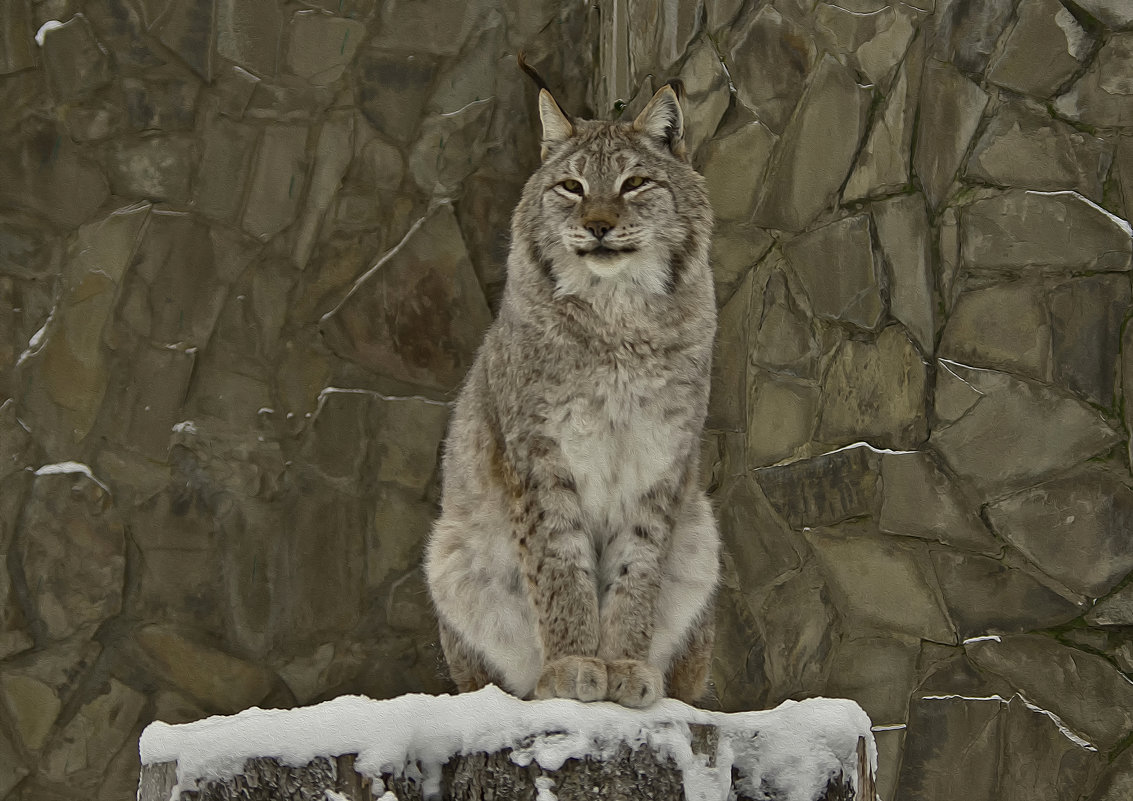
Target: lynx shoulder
(575, 554)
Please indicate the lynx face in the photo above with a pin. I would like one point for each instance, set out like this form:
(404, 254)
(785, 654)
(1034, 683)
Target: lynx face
(612, 204)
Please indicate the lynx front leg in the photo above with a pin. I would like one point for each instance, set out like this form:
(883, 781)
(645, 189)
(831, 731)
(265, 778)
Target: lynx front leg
(559, 566)
(632, 571)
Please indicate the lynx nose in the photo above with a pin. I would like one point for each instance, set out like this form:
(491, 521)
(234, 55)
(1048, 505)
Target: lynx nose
(598, 227)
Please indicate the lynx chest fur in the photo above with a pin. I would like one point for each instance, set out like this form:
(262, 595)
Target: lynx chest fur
(576, 555)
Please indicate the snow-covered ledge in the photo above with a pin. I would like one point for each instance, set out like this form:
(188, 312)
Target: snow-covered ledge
(488, 744)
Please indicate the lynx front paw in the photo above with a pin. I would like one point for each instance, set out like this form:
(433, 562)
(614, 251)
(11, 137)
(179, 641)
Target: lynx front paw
(634, 683)
(580, 677)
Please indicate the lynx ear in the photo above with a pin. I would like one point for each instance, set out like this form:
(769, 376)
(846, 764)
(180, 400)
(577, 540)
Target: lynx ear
(556, 125)
(663, 120)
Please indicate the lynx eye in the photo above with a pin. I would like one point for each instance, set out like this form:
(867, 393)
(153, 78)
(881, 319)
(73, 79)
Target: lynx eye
(634, 182)
(572, 186)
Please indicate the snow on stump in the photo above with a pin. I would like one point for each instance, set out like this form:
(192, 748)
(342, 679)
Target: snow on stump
(489, 745)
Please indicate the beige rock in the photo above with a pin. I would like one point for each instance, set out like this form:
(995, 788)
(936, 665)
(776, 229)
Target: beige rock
(770, 57)
(780, 417)
(877, 672)
(836, 266)
(1114, 610)
(1025, 147)
(733, 167)
(277, 180)
(727, 404)
(1104, 94)
(419, 318)
(950, 737)
(950, 111)
(76, 63)
(96, 732)
(904, 233)
(154, 168)
(1075, 528)
(919, 500)
(875, 392)
(34, 707)
(218, 680)
(1004, 327)
(1085, 691)
(882, 582)
(816, 150)
(321, 46)
(1043, 50)
(987, 596)
(965, 35)
(1017, 433)
(1020, 231)
(1086, 317)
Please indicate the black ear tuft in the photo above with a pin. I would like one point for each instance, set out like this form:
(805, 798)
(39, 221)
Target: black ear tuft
(521, 59)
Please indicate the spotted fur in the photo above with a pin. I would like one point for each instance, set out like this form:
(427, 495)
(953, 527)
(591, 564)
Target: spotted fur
(575, 554)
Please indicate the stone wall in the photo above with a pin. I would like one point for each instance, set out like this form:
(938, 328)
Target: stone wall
(247, 250)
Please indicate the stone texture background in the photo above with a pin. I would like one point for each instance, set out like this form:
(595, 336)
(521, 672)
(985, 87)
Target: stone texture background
(248, 248)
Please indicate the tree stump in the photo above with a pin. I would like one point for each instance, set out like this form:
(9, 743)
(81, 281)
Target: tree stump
(488, 746)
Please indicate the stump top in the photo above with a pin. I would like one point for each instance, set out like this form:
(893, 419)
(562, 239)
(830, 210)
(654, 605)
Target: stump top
(797, 746)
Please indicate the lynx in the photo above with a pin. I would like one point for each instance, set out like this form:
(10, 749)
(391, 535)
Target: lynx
(575, 555)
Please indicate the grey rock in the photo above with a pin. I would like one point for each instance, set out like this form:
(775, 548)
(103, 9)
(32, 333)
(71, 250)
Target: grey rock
(659, 34)
(74, 515)
(836, 266)
(706, 95)
(394, 542)
(1075, 528)
(904, 234)
(769, 59)
(69, 366)
(75, 62)
(1117, 781)
(391, 91)
(17, 50)
(816, 151)
(121, 30)
(35, 690)
(736, 248)
(277, 180)
(1122, 174)
(93, 122)
(950, 111)
(727, 403)
(1003, 327)
(780, 416)
(1020, 231)
(419, 318)
(43, 170)
(1025, 147)
(407, 438)
(234, 89)
(882, 582)
(875, 392)
(143, 409)
(13, 766)
(1127, 377)
(321, 46)
(877, 672)
(721, 12)
(825, 489)
(332, 157)
(1112, 13)
(985, 596)
(448, 147)
(1086, 317)
(439, 28)
(1115, 610)
(873, 42)
(1104, 94)
(187, 29)
(800, 628)
(783, 335)
(1044, 50)
(223, 171)
(733, 166)
(884, 161)
(96, 732)
(950, 260)
(919, 500)
(167, 105)
(1084, 690)
(248, 33)
(965, 34)
(154, 168)
(950, 737)
(1017, 433)
(760, 545)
